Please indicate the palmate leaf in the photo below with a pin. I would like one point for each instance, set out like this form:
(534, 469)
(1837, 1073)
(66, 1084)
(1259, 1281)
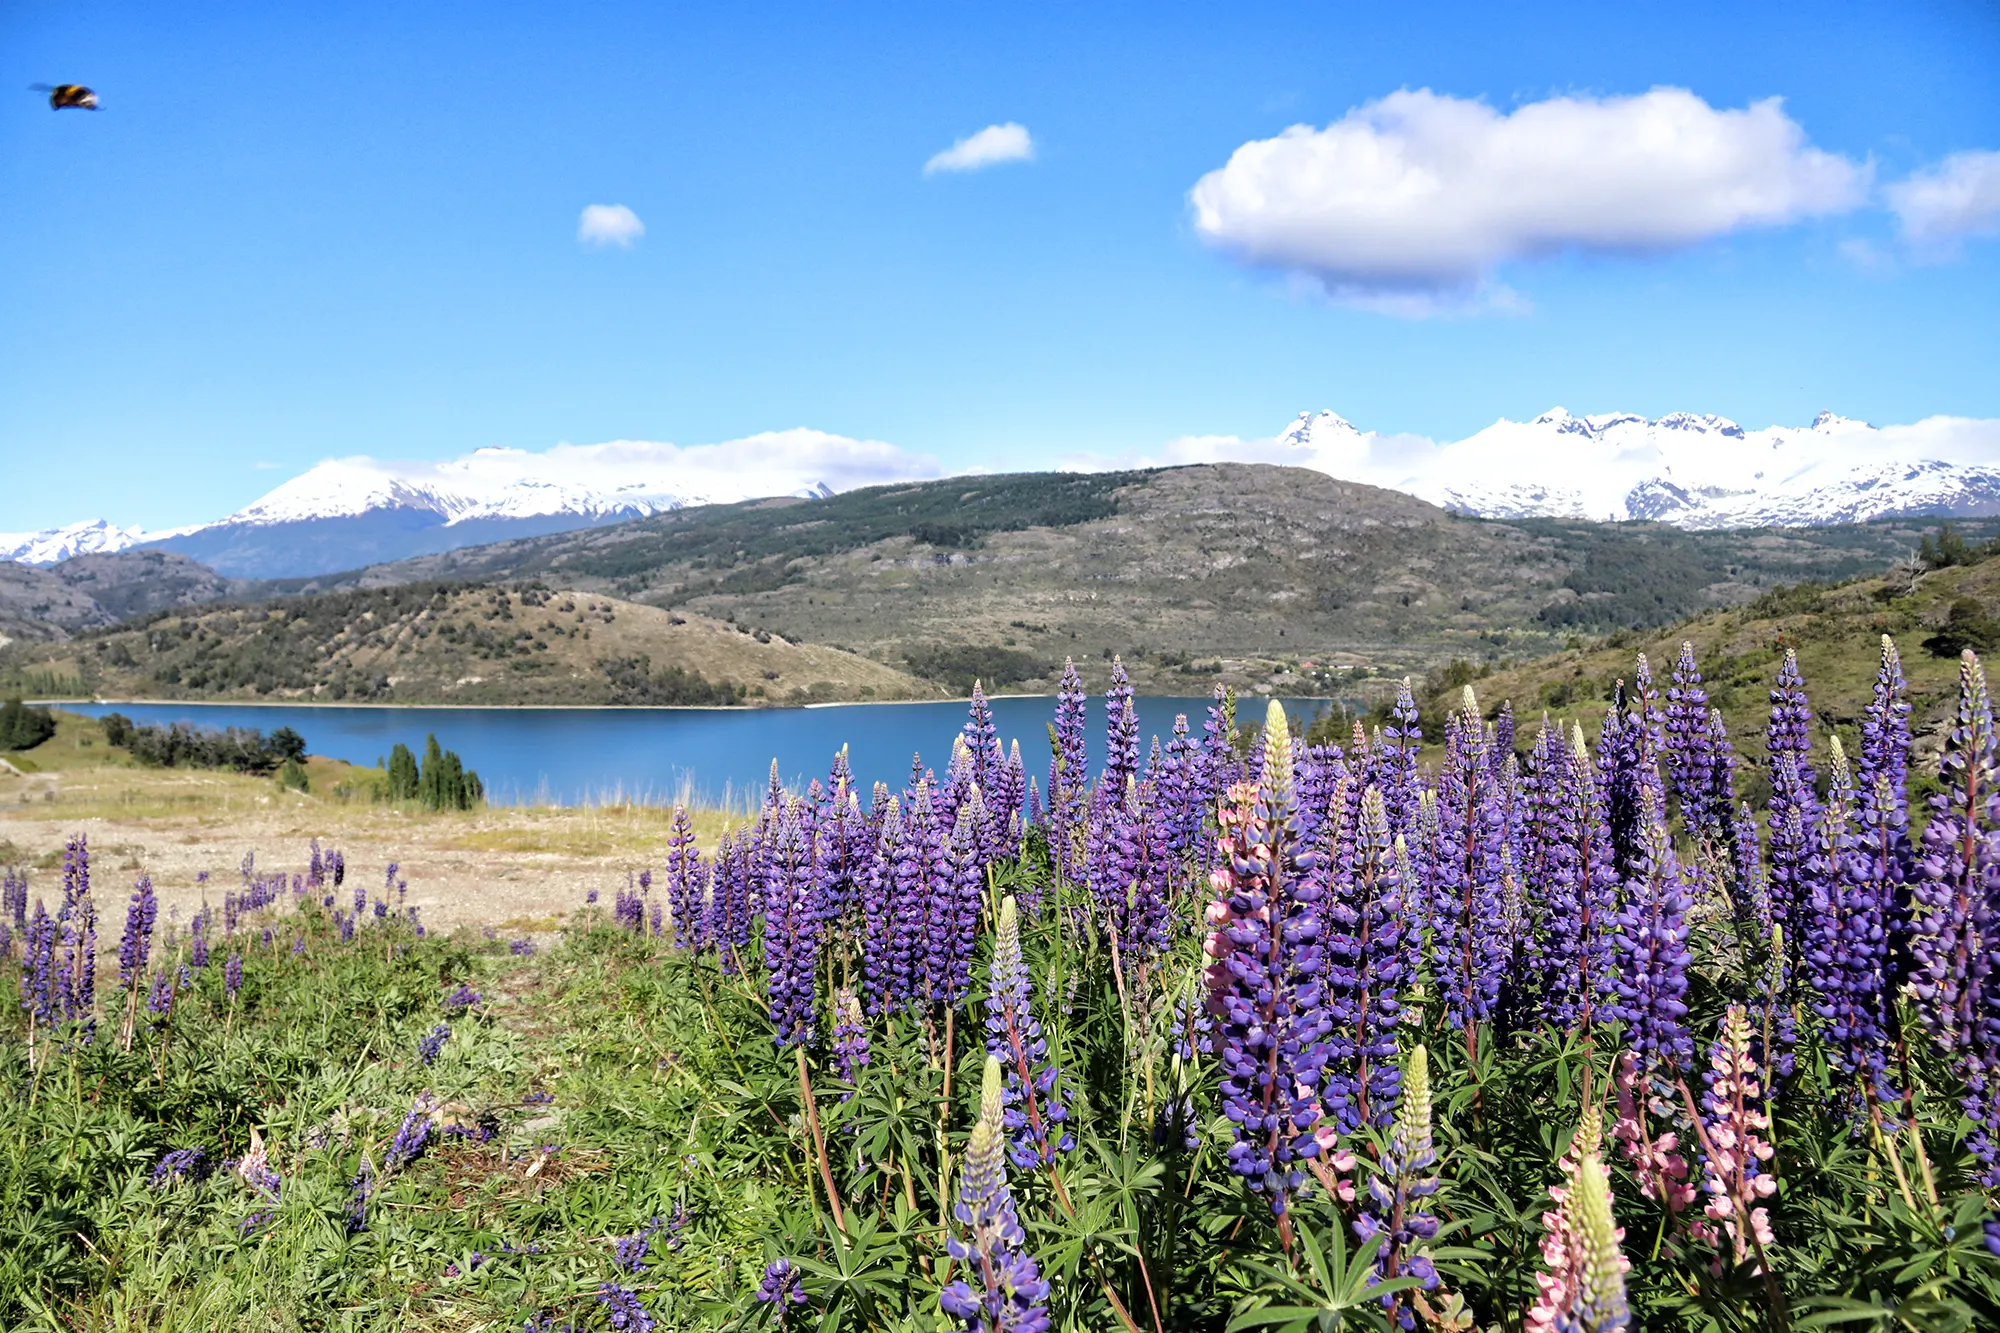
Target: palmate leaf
(860, 1276)
(1339, 1295)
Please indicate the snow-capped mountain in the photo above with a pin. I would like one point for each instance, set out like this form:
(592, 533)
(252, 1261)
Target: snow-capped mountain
(1693, 470)
(350, 512)
(52, 544)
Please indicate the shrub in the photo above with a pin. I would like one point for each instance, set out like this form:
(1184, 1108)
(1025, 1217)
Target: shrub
(23, 728)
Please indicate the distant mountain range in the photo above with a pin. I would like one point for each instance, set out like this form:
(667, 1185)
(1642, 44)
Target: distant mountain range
(1697, 472)
(1702, 472)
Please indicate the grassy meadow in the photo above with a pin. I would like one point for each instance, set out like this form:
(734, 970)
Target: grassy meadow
(1442, 1032)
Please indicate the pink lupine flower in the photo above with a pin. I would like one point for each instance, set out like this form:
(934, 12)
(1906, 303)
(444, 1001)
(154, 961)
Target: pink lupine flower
(1661, 1169)
(1734, 1123)
(1585, 1283)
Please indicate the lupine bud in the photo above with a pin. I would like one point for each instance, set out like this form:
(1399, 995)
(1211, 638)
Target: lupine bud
(1395, 1217)
(1034, 1111)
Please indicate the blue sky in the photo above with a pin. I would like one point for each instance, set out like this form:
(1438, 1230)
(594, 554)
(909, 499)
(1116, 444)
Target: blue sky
(299, 232)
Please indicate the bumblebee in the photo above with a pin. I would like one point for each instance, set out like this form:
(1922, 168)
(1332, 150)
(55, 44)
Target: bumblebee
(67, 96)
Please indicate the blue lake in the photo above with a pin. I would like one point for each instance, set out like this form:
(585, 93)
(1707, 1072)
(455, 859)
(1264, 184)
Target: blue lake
(572, 756)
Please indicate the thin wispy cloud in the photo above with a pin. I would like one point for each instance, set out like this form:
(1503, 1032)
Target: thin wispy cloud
(1410, 203)
(605, 225)
(993, 145)
(1943, 205)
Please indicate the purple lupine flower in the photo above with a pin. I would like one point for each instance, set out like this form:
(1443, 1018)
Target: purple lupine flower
(410, 1139)
(791, 932)
(1582, 898)
(1177, 792)
(432, 1045)
(14, 897)
(1846, 952)
(1958, 911)
(883, 973)
(1628, 768)
(783, 1288)
(1190, 1029)
(1689, 752)
(980, 736)
(734, 885)
(1653, 956)
(684, 905)
(1004, 1290)
(850, 1040)
(1069, 773)
(232, 975)
(1394, 763)
(1128, 876)
(623, 1312)
(1469, 935)
(1317, 769)
(38, 969)
(631, 1250)
(958, 894)
(360, 1189)
(1266, 984)
(843, 856)
(1500, 741)
(1121, 730)
(1218, 769)
(1004, 804)
(198, 938)
(137, 942)
(461, 999)
(1882, 786)
(1032, 1101)
(521, 948)
(180, 1164)
(1793, 809)
(931, 901)
(1395, 1216)
(160, 999)
(1364, 970)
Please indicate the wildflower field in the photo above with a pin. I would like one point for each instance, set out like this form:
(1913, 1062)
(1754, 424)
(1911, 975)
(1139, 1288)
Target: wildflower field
(1524, 1032)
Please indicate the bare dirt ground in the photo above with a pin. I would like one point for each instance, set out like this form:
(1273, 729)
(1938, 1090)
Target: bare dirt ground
(517, 869)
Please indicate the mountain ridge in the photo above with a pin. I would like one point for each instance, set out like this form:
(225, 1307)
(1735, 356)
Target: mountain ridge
(1693, 470)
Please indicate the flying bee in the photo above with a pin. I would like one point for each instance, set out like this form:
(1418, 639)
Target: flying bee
(67, 96)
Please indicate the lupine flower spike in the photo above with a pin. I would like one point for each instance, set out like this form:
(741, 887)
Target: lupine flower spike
(1735, 1141)
(1583, 1289)
(1265, 983)
(1034, 1113)
(1397, 1217)
(1004, 1291)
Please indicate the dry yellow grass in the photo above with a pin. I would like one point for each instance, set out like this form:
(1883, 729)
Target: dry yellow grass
(515, 868)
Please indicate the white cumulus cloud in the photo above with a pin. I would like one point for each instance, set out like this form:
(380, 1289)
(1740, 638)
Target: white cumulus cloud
(1410, 202)
(1958, 197)
(609, 224)
(993, 145)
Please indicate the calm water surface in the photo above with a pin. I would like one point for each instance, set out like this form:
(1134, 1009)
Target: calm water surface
(577, 755)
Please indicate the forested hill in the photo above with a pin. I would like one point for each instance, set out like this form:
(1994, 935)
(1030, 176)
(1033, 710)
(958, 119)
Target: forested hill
(1261, 575)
